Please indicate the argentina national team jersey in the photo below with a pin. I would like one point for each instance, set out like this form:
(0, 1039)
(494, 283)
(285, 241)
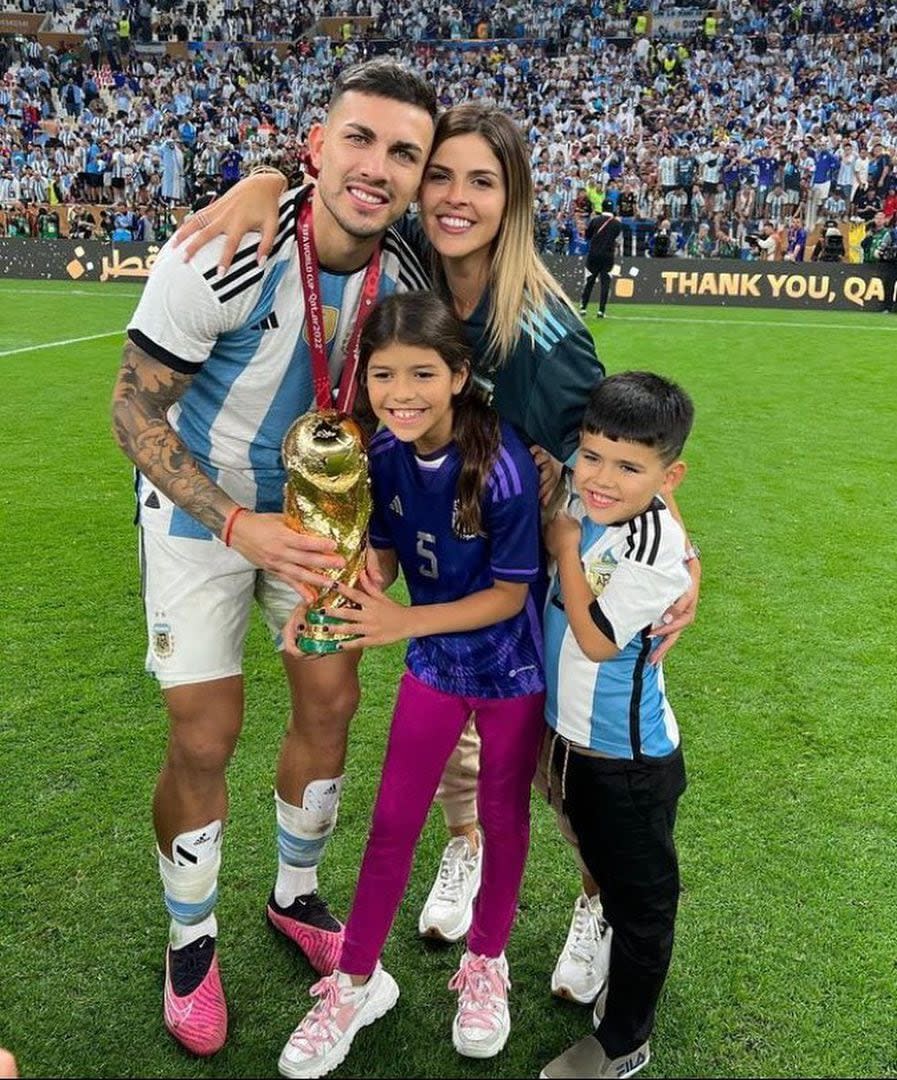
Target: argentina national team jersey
(635, 571)
(414, 510)
(242, 337)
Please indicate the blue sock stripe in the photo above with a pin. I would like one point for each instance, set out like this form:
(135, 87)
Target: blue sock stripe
(299, 850)
(191, 914)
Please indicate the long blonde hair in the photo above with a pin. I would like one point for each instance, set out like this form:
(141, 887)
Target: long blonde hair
(519, 283)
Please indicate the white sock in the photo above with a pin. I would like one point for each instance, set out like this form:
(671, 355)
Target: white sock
(179, 934)
(293, 881)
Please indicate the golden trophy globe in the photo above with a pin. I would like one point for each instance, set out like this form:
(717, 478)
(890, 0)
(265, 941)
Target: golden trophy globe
(328, 493)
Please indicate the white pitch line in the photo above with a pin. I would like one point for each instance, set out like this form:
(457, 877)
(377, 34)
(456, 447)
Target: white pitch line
(61, 344)
(673, 320)
(119, 295)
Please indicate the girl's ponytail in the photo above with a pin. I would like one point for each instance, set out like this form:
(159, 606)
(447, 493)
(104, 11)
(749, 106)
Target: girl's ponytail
(478, 438)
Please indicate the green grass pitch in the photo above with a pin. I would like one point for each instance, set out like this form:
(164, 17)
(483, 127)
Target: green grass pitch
(786, 957)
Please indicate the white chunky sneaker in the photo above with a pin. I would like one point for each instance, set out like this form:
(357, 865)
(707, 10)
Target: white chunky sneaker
(448, 911)
(482, 1022)
(581, 971)
(324, 1037)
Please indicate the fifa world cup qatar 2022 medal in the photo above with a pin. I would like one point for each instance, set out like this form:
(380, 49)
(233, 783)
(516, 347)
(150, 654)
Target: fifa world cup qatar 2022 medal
(328, 493)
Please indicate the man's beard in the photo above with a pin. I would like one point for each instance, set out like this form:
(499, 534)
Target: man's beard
(355, 231)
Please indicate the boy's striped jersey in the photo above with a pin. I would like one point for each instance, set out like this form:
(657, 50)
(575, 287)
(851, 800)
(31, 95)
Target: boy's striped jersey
(635, 570)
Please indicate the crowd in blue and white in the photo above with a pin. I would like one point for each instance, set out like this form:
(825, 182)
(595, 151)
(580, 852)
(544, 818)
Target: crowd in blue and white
(777, 113)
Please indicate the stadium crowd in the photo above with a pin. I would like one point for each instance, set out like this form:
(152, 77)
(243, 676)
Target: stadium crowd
(737, 141)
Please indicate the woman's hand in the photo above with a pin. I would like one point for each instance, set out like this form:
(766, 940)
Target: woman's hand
(561, 532)
(252, 205)
(678, 615)
(549, 473)
(376, 619)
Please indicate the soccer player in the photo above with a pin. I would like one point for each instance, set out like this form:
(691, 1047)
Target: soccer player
(613, 752)
(456, 505)
(216, 367)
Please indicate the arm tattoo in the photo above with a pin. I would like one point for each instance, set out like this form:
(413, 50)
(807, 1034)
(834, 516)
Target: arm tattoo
(144, 391)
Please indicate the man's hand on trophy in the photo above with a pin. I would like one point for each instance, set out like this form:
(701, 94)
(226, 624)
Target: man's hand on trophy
(375, 618)
(296, 558)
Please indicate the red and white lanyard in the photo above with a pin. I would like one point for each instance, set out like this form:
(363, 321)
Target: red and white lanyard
(314, 317)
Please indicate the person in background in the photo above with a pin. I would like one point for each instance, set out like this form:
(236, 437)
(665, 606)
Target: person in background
(602, 233)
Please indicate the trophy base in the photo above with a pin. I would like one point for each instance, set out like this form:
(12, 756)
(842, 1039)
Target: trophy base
(316, 641)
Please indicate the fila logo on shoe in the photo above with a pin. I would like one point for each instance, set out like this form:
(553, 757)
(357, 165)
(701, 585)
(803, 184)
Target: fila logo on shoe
(629, 1066)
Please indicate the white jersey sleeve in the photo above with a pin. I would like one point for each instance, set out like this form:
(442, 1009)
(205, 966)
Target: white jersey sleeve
(649, 576)
(179, 317)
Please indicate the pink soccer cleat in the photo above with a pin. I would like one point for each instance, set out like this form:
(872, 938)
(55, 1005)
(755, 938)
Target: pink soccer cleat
(307, 922)
(194, 1006)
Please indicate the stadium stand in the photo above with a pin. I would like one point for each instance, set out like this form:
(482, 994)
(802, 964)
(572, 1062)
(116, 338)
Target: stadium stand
(762, 121)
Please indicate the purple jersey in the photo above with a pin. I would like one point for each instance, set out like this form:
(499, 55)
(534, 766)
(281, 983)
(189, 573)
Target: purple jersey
(415, 502)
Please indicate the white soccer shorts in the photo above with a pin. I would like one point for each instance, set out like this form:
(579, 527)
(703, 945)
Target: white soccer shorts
(198, 597)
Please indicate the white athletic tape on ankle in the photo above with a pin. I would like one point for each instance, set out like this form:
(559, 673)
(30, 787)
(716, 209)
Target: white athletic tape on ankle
(191, 892)
(191, 883)
(302, 834)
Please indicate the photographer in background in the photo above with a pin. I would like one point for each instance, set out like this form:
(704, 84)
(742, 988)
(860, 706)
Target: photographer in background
(662, 244)
(603, 235)
(830, 245)
(880, 247)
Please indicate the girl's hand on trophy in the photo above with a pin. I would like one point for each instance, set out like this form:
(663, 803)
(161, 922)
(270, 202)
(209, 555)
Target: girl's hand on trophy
(252, 205)
(296, 558)
(376, 619)
(295, 625)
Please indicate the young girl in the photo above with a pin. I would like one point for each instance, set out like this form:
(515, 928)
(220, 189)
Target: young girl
(456, 506)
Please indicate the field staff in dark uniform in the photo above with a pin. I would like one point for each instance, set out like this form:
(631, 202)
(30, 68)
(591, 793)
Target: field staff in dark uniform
(602, 233)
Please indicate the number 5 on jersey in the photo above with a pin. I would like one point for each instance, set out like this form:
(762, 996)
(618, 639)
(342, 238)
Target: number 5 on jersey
(429, 567)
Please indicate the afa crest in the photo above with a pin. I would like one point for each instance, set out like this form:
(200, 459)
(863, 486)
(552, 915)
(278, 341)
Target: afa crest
(162, 641)
(331, 318)
(598, 574)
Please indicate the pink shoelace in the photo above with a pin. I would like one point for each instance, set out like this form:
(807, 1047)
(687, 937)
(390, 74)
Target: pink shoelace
(319, 1028)
(481, 985)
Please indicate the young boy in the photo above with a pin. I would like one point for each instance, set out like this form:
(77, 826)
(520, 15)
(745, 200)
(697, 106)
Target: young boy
(615, 767)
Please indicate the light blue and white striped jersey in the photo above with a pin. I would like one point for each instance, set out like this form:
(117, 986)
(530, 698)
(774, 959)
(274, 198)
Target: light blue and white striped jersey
(635, 570)
(243, 337)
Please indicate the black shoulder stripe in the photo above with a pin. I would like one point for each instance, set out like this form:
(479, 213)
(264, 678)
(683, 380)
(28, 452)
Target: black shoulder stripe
(648, 530)
(655, 547)
(160, 353)
(242, 286)
(643, 539)
(408, 260)
(243, 261)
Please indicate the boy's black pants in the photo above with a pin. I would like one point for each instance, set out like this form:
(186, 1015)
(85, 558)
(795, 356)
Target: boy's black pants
(623, 813)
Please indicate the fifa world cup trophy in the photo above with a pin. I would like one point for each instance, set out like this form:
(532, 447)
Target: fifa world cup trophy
(328, 493)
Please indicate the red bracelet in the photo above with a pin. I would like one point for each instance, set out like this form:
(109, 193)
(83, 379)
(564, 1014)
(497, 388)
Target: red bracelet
(229, 523)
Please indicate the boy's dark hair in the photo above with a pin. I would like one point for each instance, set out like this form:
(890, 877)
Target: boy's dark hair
(425, 320)
(386, 79)
(641, 407)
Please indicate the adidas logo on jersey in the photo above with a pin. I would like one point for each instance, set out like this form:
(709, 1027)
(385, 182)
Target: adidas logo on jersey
(268, 323)
(396, 507)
